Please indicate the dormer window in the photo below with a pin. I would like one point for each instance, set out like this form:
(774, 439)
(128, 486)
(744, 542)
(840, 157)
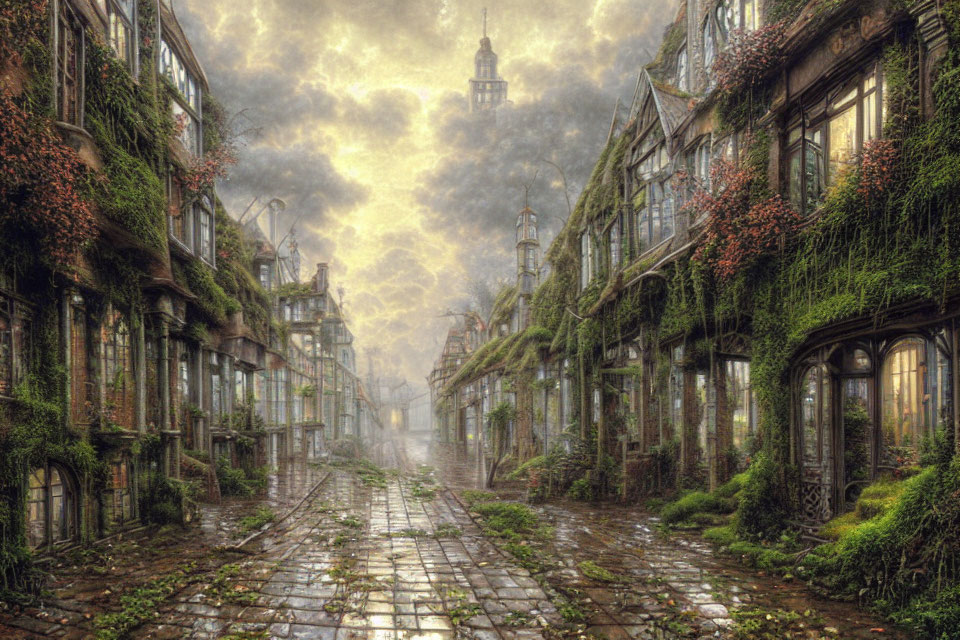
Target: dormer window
(682, 64)
(121, 34)
(186, 104)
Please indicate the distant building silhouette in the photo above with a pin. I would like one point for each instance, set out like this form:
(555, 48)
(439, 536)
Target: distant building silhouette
(487, 89)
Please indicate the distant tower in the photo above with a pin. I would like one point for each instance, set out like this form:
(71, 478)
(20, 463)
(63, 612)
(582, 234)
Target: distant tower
(528, 251)
(487, 89)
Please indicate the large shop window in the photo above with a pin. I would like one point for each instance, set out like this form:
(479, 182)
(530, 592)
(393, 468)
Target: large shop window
(186, 104)
(51, 507)
(825, 138)
(915, 386)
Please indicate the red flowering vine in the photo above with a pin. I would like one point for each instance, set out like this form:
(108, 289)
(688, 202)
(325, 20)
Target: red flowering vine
(749, 57)
(877, 166)
(204, 171)
(739, 232)
(40, 187)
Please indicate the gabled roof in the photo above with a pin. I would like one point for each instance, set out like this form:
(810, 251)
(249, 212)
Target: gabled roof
(671, 104)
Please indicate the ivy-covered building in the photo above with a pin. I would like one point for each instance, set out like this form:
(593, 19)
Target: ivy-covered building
(144, 361)
(763, 267)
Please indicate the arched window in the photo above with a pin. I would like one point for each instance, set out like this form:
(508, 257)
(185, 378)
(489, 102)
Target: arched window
(51, 507)
(912, 382)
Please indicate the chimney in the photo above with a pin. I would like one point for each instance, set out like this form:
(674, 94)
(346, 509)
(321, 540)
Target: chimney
(320, 283)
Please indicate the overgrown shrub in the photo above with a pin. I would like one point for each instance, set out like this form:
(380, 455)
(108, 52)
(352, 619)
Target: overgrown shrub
(763, 508)
(696, 502)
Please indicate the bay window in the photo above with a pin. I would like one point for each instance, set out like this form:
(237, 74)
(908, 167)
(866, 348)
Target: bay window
(823, 140)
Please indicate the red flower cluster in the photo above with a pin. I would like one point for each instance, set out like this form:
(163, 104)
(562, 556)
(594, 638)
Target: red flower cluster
(205, 171)
(738, 233)
(877, 166)
(749, 57)
(40, 187)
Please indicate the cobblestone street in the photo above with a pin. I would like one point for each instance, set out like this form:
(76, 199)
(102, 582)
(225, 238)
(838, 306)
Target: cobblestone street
(370, 562)
(398, 555)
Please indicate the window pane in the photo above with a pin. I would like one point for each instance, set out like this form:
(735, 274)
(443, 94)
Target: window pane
(903, 384)
(667, 211)
(709, 48)
(643, 229)
(809, 410)
(871, 124)
(843, 142)
(795, 178)
(36, 509)
(813, 168)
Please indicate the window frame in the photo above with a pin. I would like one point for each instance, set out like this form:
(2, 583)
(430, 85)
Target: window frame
(70, 515)
(117, 17)
(119, 358)
(65, 16)
(191, 102)
(203, 211)
(806, 122)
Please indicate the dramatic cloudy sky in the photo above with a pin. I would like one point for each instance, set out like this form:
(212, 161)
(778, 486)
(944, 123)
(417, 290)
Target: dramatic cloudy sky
(360, 115)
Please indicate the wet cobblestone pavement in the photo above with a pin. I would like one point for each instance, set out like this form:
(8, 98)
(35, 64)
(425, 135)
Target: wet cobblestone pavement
(668, 586)
(399, 557)
(365, 562)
